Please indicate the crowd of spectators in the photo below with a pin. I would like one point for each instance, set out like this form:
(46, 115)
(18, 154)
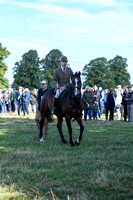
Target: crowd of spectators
(17, 100)
(95, 102)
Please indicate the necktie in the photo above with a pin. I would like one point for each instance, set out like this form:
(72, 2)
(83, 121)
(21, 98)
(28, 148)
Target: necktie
(64, 70)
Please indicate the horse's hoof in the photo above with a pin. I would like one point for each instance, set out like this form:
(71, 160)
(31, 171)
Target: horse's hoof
(64, 142)
(72, 144)
(41, 140)
(77, 142)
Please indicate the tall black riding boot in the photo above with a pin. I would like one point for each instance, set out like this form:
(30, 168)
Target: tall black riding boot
(55, 109)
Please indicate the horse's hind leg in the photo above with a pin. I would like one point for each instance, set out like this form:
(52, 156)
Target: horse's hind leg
(79, 120)
(59, 126)
(41, 129)
(68, 121)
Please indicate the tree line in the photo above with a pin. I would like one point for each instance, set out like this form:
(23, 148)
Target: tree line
(31, 70)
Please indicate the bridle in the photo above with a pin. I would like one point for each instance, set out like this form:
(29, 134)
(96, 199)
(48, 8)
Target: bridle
(76, 87)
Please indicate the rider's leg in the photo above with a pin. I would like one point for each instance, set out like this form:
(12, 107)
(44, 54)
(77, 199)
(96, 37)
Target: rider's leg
(55, 102)
(56, 99)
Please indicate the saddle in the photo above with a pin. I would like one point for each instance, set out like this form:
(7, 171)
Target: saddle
(63, 94)
(57, 102)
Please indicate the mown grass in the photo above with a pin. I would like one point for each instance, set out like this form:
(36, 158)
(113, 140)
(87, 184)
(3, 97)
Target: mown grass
(101, 167)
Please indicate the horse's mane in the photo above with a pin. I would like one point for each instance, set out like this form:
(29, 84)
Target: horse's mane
(49, 91)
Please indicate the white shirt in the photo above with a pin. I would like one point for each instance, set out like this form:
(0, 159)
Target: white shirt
(63, 69)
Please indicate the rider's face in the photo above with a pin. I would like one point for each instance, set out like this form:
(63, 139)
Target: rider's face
(63, 64)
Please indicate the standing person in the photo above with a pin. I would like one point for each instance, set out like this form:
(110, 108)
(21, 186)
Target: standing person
(6, 98)
(61, 79)
(33, 100)
(4, 101)
(101, 101)
(40, 94)
(88, 103)
(8, 103)
(111, 104)
(96, 93)
(124, 102)
(0, 101)
(96, 96)
(12, 100)
(26, 101)
(95, 109)
(106, 102)
(120, 89)
(130, 104)
(19, 98)
(118, 101)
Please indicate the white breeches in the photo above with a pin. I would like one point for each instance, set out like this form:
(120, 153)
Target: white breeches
(59, 91)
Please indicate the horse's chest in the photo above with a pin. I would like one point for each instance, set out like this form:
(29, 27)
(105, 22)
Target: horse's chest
(76, 111)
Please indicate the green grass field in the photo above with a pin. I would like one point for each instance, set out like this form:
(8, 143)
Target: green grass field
(100, 168)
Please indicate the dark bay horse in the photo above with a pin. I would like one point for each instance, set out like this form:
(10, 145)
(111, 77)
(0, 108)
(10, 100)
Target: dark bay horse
(70, 106)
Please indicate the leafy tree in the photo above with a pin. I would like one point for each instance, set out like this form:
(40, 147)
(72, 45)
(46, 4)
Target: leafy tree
(106, 74)
(3, 67)
(49, 64)
(27, 72)
(95, 72)
(118, 74)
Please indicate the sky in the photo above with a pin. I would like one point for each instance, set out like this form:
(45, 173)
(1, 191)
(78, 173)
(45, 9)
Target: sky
(81, 29)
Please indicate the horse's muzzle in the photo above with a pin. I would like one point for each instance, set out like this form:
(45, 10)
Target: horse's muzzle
(77, 96)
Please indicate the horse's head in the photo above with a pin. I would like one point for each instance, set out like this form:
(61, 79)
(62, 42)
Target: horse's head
(76, 84)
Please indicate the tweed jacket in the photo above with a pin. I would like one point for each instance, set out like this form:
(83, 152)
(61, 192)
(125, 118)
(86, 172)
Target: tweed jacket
(63, 79)
(87, 98)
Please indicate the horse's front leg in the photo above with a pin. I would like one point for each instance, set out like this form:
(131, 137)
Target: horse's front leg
(79, 120)
(68, 121)
(59, 126)
(41, 129)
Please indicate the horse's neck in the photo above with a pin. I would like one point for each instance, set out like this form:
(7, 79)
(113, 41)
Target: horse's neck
(74, 101)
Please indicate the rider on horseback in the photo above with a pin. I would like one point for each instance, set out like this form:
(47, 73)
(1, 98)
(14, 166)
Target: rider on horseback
(61, 79)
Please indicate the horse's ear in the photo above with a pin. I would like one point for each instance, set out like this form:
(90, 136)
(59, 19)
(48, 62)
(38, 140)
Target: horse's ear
(72, 76)
(76, 74)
